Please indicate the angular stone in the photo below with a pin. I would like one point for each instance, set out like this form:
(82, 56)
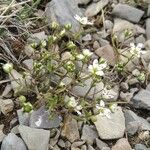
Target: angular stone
(100, 144)
(35, 139)
(95, 8)
(63, 12)
(70, 129)
(122, 144)
(89, 134)
(2, 135)
(6, 106)
(107, 53)
(140, 147)
(131, 117)
(41, 119)
(128, 12)
(12, 142)
(83, 2)
(28, 64)
(112, 128)
(142, 100)
(148, 28)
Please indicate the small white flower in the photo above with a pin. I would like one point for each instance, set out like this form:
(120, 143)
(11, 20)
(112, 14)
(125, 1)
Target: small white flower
(80, 56)
(83, 20)
(137, 50)
(96, 68)
(102, 104)
(72, 102)
(87, 52)
(77, 109)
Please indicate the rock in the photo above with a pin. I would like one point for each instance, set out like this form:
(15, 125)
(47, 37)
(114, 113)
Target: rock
(140, 147)
(112, 128)
(41, 119)
(126, 96)
(77, 144)
(61, 143)
(108, 24)
(6, 106)
(67, 144)
(83, 147)
(87, 38)
(147, 46)
(54, 140)
(131, 117)
(28, 50)
(122, 144)
(12, 142)
(96, 45)
(141, 100)
(140, 39)
(83, 2)
(148, 11)
(100, 144)
(132, 127)
(15, 130)
(103, 42)
(23, 117)
(90, 147)
(81, 90)
(70, 129)
(89, 134)
(2, 135)
(66, 56)
(107, 53)
(128, 12)
(124, 86)
(56, 148)
(63, 12)
(18, 82)
(7, 91)
(28, 64)
(148, 28)
(35, 139)
(95, 8)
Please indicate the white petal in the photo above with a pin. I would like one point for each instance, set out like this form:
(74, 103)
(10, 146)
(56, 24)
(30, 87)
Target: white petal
(132, 45)
(102, 104)
(140, 45)
(100, 73)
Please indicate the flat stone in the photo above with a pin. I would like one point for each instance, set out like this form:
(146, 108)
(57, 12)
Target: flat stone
(100, 144)
(107, 53)
(12, 142)
(70, 129)
(128, 12)
(112, 128)
(95, 8)
(89, 134)
(63, 12)
(122, 144)
(140, 147)
(41, 119)
(131, 117)
(23, 117)
(6, 106)
(148, 28)
(35, 139)
(142, 100)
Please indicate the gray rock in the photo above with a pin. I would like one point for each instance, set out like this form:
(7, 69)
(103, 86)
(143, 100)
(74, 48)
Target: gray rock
(122, 144)
(148, 28)
(2, 135)
(35, 139)
(140, 147)
(70, 129)
(6, 106)
(148, 11)
(128, 12)
(83, 147)
(108, 24)
(28, 64)
(15, 130)
(41, 119)
(23, 117)
(89, 134)
(61, 143)
(124, 86)
(132, 127)
(112, 128)
(140, 39)
(87, 38)
(107, 53)
(83, 2)
(90, 147)
(141, 100)
(95, 8)
(63, 12)
(12, 142)
(131, 117)
(100, 144)
(77, 144)
(7, 91)
(126, 96)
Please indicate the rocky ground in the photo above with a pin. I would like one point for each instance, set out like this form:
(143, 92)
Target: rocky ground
(129, 126)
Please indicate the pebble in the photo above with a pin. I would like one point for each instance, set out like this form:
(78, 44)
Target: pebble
(122, 144)
(100, 144)
(140, 147)
(87, 38)
(13, 142)
(2, 135)
(128, 12)
(70, 129)
(94, 8)
(112, 128)
(6, 106)
(35, 139)
(89, 134)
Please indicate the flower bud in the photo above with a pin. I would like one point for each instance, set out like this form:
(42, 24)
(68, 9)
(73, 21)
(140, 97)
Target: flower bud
(68, 26)
(43, 44)
(27, 107)
(34, 45)
(54, 25)
(71, 45)
(62, 33)
(8, 67)
(22, 99)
